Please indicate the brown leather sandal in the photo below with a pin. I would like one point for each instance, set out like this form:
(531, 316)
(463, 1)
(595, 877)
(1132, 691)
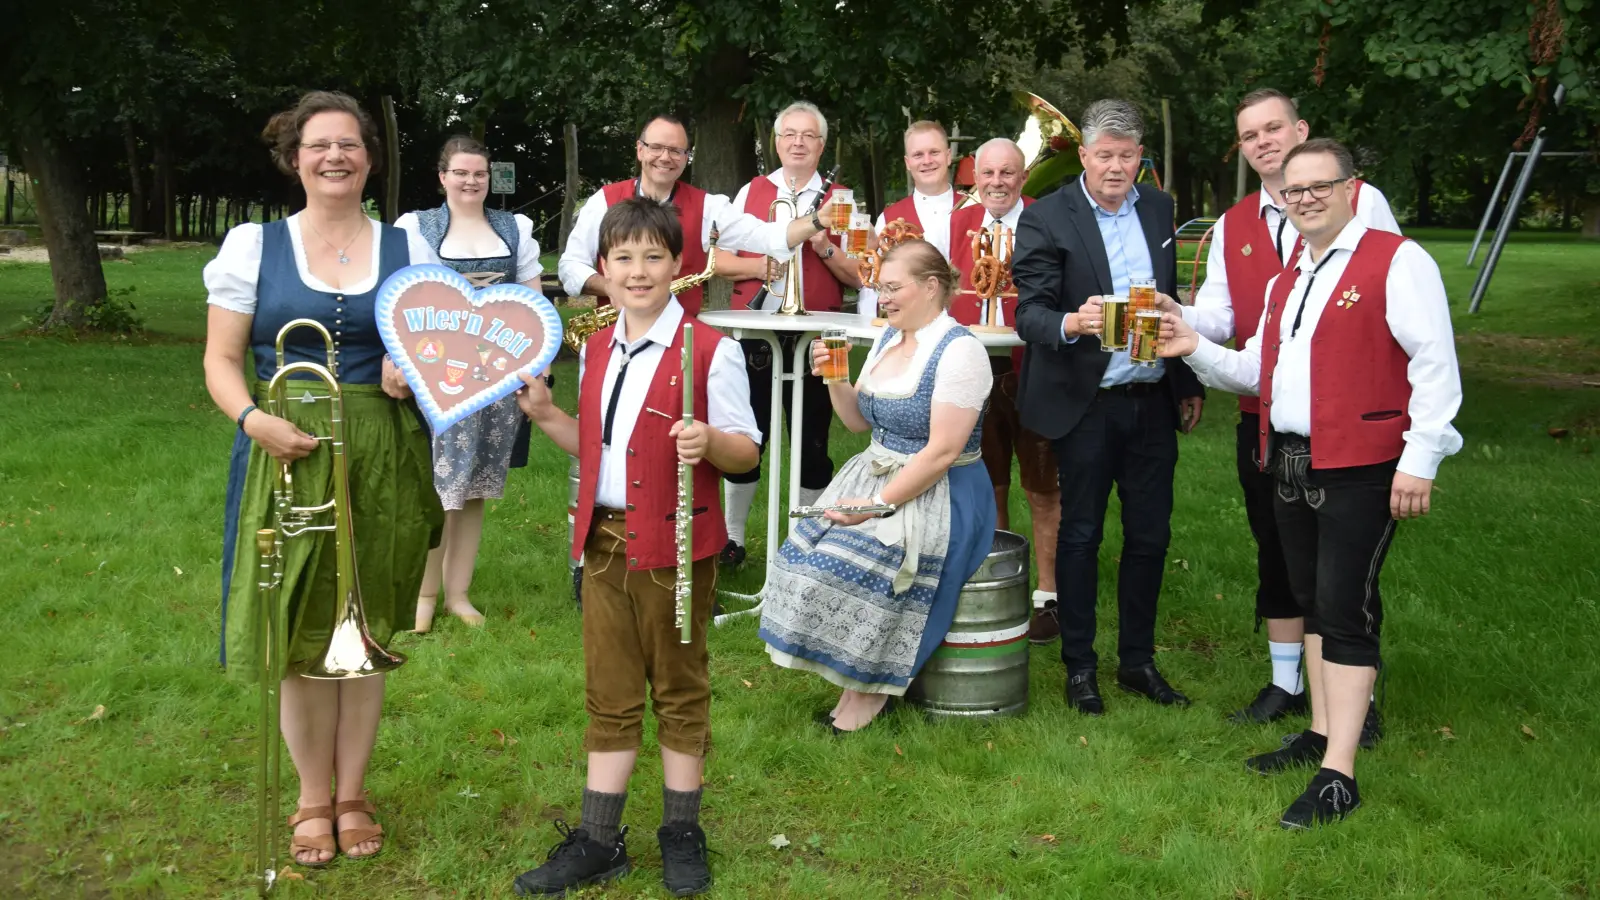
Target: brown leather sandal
(316, 842)
(353, 837)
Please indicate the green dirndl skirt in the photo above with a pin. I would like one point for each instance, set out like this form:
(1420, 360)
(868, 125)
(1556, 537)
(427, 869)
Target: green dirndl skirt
(396, 519)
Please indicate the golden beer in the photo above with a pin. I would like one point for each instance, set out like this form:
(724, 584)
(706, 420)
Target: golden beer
(1142, 293)
(1114, 333)
(844, 205)
(836, 369)
(1144, 336)
(855, 241)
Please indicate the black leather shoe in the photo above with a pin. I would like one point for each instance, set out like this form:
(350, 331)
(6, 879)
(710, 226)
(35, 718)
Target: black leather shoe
(1145, 680)
(1083, 693)
(1328, 798)
(823, 717)
(1270, 705)
(1303, 748)
(575, 862)
(685, 871)
(732, 555)
(1371, 729)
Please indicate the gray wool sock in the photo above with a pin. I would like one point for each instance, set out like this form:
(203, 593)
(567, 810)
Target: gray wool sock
(602, 815)
(680, 807)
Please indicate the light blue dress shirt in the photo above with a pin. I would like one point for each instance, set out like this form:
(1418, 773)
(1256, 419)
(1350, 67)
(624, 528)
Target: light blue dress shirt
(1129, 257)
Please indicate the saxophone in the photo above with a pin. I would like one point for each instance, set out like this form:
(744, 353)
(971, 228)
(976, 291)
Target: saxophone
(583, 326)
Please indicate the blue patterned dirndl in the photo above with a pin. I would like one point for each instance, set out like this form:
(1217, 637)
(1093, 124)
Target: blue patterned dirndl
(864, 606)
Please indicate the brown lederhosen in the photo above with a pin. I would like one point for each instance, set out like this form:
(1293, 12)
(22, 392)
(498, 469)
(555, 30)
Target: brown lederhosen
(1004, 435)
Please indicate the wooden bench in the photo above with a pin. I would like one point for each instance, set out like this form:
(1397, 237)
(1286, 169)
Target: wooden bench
(123, 238)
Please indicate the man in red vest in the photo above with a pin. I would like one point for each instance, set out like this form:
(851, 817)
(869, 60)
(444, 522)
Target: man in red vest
(1355, 364)
(663, 152)
(999, 171)
(927, 208)
(628, 455)
(801, 134)
(1251, 243)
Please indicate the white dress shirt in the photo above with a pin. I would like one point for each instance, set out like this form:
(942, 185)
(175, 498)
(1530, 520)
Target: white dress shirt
(736, 231)
(528, 266)
(808, 196)
(1212, 312)
(727, 396)
(933, 211)
(1419, 318)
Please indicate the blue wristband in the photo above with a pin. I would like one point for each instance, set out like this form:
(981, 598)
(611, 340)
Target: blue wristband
(247, 411)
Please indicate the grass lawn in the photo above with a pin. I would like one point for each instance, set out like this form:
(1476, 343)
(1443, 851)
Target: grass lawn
(111, 478)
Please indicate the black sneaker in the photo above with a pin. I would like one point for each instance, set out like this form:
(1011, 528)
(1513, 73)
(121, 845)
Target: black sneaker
(1300, 749)
(1371, 729)
(732, 555)
(684, 869)
(1270, 705)
(575, 862)
(1328, 798)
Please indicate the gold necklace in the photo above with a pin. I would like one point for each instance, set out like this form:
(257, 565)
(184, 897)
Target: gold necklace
(343, 259)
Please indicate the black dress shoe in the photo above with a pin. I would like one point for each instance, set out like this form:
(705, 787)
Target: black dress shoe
(1302, 748)
(1270, 705)
(1147, 681)
(823, 717)
(685, 871)
(732, 555)
(1328, 798)
(1371, 729)
(1083, 693)
(576, 862)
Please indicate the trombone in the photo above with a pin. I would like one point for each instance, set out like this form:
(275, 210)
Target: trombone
(351, 651)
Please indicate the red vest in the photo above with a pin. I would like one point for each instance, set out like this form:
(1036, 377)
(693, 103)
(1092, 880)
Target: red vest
(1360, 395)
(689, 202)
(904, 208)
(822, 291)
(1249, 270)
(652, 456)
(965, 308)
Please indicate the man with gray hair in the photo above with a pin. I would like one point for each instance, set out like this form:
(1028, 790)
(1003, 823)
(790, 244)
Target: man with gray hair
(801, 134)
(1111, 420)
(998, 172)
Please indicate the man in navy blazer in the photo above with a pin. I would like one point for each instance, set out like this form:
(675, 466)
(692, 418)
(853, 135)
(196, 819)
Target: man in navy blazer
(1110, 419)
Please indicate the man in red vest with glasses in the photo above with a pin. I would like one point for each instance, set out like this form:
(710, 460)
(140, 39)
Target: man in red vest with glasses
(801, 134)
(998, 174)
(1354, 360)
(1252, 242)
(663, 152)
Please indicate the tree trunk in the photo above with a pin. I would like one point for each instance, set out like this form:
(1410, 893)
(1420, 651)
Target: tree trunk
(1591, 217)
(724, 158)
(1422, 169)
(167, 224)
(391, 181)
(569, 141)
(60, 199)
(136, 196)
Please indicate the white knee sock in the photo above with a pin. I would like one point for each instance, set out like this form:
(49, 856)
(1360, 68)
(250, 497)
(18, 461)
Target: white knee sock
(737, 508)
(1286, 665)
(808, 497)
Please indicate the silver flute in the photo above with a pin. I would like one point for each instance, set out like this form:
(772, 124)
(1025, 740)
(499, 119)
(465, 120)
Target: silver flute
(812, 512)
(683, 522)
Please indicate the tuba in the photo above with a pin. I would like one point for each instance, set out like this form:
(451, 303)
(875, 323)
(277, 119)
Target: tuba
(1046, 133)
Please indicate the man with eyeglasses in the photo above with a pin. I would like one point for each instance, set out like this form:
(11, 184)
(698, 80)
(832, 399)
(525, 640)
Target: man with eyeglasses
(802, 134)
(663, 152)
(1251, 243)
(1354, 360)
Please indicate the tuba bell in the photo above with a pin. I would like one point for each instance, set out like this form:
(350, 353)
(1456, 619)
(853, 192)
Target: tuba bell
(1046, 134)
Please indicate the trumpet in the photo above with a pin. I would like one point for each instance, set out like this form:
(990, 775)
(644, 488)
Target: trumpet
(793, 304)
(351, 652)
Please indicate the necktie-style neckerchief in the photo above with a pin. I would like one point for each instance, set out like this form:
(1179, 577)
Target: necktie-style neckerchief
(616, 388)
(1294, 329)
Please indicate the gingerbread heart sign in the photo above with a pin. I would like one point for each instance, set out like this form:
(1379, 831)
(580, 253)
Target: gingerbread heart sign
(461, 347)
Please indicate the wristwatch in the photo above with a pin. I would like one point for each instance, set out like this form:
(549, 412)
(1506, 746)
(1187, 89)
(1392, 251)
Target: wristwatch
(877, 500)
(830, 252)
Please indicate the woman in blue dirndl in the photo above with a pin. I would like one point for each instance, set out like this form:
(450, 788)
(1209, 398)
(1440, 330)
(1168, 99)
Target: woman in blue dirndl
(472, 457)
(326, 264)
(864, 600)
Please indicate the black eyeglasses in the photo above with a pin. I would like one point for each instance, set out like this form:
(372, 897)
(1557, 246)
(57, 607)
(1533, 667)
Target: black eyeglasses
(674, 152)
(1320, 190)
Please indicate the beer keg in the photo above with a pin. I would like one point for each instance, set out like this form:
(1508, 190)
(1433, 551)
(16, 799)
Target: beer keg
(980, 670)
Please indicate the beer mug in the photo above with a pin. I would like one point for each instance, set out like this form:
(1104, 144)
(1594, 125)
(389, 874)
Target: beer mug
(1114, 330)
(1144, 336)
(844, 205)
(836, 370)
(855, 244)
(1142, 293)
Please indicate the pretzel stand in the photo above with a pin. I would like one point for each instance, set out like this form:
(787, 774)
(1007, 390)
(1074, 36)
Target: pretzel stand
(991, 275)
(871, 265)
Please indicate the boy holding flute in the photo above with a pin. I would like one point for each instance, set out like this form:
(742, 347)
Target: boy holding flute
(629, 437)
